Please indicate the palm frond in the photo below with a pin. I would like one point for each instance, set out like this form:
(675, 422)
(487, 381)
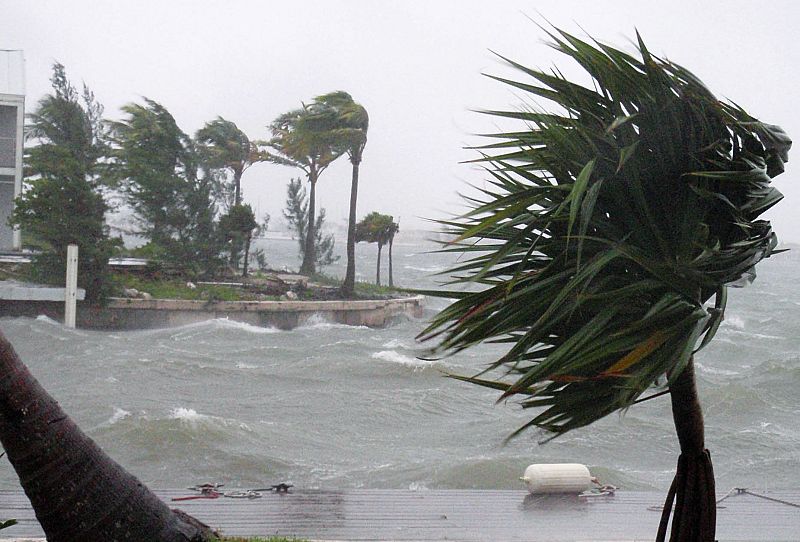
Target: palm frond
(605, 231)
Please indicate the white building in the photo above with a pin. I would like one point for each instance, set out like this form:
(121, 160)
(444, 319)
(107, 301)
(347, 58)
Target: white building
(12, 121)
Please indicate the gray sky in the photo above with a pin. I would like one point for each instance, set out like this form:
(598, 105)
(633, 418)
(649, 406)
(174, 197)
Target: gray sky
(415, 65)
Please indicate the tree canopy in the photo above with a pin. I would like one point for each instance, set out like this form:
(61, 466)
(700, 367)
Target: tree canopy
(226, 150)
(63, 202)
(608, 225)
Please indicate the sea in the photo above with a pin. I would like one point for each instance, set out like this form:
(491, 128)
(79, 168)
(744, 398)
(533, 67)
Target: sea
(328, 406)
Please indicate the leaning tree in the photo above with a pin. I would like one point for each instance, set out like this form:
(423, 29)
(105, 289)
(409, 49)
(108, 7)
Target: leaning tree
(77, 492)
(604, 243)
(346, 123)
(300, 140)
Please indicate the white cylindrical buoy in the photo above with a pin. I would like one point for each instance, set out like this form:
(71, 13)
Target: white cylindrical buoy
(557, 478)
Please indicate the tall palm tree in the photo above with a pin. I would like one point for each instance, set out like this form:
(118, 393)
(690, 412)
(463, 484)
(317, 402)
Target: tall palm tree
(347, 123)
(608, 227)
(77, 491)
(299, 139)
(225, 147)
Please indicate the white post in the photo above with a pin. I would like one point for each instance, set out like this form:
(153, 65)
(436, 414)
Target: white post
(71, 289)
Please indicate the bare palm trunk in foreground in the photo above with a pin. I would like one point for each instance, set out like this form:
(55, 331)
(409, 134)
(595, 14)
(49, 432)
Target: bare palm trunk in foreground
(695, 516)
(77, 491)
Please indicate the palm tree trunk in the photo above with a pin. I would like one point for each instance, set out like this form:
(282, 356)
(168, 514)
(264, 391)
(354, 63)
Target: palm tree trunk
(78, 493)
(349, 284)
(391, 274)
(378, 270)
(694, 519)
(309, 258)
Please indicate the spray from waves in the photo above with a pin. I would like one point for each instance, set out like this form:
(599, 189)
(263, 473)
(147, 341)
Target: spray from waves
(48, 320)
(392, 356)
(318, 321)
(119, 414)
(191, 417)
(396, 343)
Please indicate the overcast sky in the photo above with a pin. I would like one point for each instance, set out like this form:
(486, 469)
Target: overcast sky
(415, 65)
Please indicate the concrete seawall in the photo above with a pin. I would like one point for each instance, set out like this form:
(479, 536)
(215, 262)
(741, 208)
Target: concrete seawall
(122, 313)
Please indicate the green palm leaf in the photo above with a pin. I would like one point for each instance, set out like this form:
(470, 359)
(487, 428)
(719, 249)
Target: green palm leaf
(605, 232)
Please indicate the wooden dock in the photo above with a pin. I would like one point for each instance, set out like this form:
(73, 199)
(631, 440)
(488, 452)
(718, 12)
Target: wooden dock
(461, 515)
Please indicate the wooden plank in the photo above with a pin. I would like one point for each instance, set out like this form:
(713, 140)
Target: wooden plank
(464, 515)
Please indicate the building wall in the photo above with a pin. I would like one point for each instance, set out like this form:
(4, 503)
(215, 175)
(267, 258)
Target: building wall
(11, 110)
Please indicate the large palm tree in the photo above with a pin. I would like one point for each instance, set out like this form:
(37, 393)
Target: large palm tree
(608, 228)
(300, 139)
(225, 147)
(78, 493)
(346, 122)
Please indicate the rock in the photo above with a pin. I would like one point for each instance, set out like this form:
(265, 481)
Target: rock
(291, 296)
(191, 285)
(130, 292)
(145, 295)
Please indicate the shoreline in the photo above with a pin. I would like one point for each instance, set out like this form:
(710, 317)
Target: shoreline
(132, 314)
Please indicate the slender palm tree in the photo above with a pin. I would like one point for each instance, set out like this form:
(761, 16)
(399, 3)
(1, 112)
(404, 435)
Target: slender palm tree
(225, 147)
(299, 139)
(609, 227)
(347, 123)
(77, 492)
(380, 229)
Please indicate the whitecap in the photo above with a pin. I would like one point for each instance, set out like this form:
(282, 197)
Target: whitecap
(47, 320)
(735, 322)
(187, 414)
(318, 321)
(119, 414)
(428, 269)
(225, 323)
(396, 357)
(715, 371)
(241, 365)
(395, 343)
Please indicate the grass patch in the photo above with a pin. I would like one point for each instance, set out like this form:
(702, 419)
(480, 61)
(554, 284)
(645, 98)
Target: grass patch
(177, 289)
(363, 289)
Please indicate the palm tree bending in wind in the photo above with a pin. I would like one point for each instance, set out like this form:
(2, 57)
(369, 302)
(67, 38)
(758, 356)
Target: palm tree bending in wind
(607, 230)
(225, 146)
(299, 141)
(346, 123)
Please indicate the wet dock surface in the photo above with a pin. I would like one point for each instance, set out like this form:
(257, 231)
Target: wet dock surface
(461, 515)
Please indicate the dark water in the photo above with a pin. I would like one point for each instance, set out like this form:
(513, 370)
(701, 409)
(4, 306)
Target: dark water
(328, 406)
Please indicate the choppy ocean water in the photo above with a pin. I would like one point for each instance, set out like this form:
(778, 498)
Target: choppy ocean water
(330, 406)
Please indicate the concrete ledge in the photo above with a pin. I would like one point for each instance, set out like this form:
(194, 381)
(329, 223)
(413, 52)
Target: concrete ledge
(124, 314)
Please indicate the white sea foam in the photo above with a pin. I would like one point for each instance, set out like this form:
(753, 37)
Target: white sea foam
(735, 322)
(714, 371)
(318, 321)
(194, 418)
(186, 414)
(224, 323)
(425, 269)
(119, 414)
(241, 365)
(393, 356)
(395, 343)
(47, 320)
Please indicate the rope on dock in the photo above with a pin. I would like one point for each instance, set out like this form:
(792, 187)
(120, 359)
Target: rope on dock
(745, 491)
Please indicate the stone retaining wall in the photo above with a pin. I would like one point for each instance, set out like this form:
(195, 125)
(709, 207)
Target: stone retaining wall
(122, 314)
